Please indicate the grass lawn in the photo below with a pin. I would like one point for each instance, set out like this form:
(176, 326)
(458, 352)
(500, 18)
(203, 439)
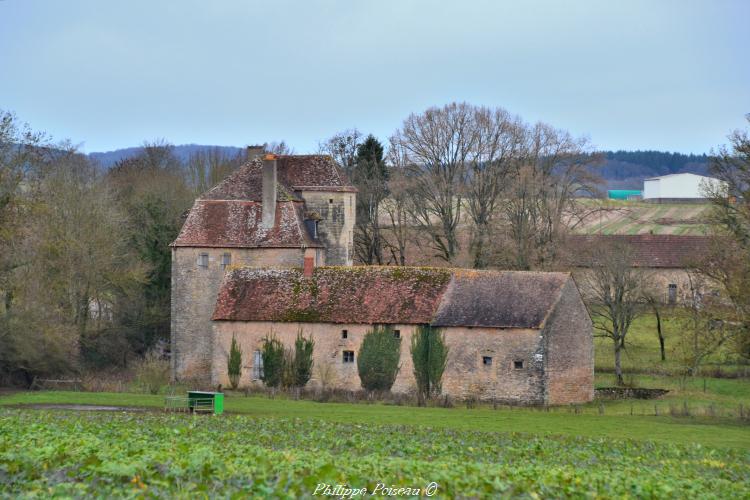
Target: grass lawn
(615, 423)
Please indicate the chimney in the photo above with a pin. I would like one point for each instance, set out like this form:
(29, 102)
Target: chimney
(255, 151)
(308, 263)
(269, 190)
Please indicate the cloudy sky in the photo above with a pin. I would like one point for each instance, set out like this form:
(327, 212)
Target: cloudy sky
(652, 74)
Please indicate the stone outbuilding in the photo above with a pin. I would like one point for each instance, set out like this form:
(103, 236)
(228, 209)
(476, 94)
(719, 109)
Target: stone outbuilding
(665, 262)
(520, 337)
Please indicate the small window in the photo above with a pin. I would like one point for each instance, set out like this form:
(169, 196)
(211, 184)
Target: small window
(344, 334)
(518, 364)
(226, 260)
(672, 293)
(203, 260)
(348, 356)
(487, 360)
(257, 365)
(397, 334)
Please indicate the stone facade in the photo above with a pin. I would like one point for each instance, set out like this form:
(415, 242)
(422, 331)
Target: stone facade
(232, 226)
(194, 291)
(336, 227)
(552, 372)
(549, 362)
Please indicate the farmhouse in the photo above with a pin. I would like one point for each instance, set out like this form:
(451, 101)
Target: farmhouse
(512, 336)
(681, 188)
(273, 211)
(251, 261)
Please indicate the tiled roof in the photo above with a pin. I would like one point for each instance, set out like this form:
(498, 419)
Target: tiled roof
(237, 224)
(391, 295)
(648, 250)
(229, 214)
(294, 173)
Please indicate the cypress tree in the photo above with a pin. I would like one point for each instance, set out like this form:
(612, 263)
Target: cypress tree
(234, 363)
(429, 355)
(272, 353)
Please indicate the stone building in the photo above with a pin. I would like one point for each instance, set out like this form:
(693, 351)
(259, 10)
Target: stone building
(664, 261)
(520, 337)
(273, 211)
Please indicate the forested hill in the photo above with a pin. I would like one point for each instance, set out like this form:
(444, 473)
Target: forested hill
(627, 169)
(621, 169)
(108, 158)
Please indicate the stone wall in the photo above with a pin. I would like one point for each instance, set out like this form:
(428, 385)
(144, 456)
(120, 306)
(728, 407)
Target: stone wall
(466, 374)
(569, 350)
(336, 229)
(194, 290)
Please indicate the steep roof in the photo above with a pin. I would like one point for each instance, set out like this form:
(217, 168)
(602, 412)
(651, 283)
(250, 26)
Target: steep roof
(294, 173)
(648, 250)
(237, 224)
(229, 214)
(391, 295)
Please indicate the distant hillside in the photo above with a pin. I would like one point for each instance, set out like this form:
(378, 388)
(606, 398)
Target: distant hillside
(621, 169)
(627, 169)
(183, 151)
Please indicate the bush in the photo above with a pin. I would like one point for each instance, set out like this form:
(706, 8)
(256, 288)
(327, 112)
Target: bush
(429, 355)
(152, 372)
(303, 360)
(378, 359)
(273, 361)
(234, 364)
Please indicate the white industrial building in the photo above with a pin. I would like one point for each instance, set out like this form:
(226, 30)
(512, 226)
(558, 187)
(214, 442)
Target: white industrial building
(680, 188)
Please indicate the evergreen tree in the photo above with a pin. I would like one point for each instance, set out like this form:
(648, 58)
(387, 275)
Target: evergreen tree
(378, 359)
(429, 355)
(234, 363)
(272, 353)
(303, 360)
(370, 176)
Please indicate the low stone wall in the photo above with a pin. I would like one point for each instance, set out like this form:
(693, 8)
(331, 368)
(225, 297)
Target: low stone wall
(628, 393)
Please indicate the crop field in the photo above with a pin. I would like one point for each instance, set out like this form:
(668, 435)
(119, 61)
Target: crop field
(621, 217)
(45, 453)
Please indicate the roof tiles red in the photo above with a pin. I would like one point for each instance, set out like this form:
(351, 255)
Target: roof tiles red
(391, 295)
(649, 250)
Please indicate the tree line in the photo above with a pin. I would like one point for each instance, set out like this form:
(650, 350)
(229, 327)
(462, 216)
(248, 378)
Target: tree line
(85, 263)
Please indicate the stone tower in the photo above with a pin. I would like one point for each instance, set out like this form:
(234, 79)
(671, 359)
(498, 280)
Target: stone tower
(274, 211)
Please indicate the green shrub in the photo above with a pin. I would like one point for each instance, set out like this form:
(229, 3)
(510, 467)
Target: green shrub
(429, 355)
(378, 359)
(273, 361)
(303, 359)
(234, 363)
(152, 372)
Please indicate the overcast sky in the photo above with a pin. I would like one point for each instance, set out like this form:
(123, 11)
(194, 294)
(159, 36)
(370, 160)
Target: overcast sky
(665, 75)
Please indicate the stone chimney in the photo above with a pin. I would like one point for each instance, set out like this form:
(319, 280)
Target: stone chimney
(269, 191)
(309, 263)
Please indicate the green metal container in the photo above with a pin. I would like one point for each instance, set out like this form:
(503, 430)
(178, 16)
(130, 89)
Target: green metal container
(624, 194)
(206, 401)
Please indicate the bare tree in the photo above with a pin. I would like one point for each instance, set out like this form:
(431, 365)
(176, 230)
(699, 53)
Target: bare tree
(616, 291)
(205, 169)
(728, 261)
(437, 145)
(553, 170)
(498, 140)
(342, 147)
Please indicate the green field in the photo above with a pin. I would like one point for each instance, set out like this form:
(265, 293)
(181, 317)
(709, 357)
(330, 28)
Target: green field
(695, 441)
(45, 453)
